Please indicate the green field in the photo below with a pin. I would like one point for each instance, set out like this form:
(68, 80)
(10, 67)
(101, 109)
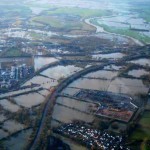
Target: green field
(13, 52)
(62, 23)
(127, 32)
(143, 131)
(68, 18)
(82, 12)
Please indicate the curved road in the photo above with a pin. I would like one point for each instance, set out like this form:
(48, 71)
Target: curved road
(51, 101)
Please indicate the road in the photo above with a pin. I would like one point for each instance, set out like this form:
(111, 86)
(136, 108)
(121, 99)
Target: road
(52, 99)
(49, 105)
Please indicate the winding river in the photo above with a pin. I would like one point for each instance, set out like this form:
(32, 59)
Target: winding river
(100, 29)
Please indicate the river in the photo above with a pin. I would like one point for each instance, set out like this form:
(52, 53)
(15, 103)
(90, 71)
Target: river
(100, 29)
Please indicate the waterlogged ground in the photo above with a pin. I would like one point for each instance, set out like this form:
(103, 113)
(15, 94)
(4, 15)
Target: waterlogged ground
(40, 62)
(113, 67)
(29, 100)
(138, 73)
(12, 126)
(103, 74)
(82, 18)
(108, 56)
(7, 105)
(2, 118)
(21, 139)
(67, 115)
(37, 62)
(112, 84)
(3, 134)
(60, 71)
(141, 61)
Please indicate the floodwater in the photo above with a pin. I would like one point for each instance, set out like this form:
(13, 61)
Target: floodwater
(141, 61)
(19, 141)
(10, 94)
(43, 81)
(113, 24)
(44, 92)
(113, 67)
(102, 74)
(9, 106)
(67, 115)
(132, 87)
(119, 85)
(16, 33)
(60, 71)
(94, 84)
(70, 91)
(3, 134)
(29, 100)
(12, 126)
(80, 105)
(2, 118)
(138, 73)
(108, 56)
(40, 62)
(26, 34)
(99, 29)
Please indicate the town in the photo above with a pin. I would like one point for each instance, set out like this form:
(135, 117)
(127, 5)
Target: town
(74, 75)
(92, 138)
(11, 77)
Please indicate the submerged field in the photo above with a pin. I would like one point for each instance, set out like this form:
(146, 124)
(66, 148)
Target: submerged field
(72, 36)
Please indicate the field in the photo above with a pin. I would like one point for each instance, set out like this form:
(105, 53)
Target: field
(13, 52)
(68, 18)
(14, 10)
(143, 9)
(82, 12)
(143, 131)
(127, 32)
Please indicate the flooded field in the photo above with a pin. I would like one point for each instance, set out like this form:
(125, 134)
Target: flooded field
(29, 100)
(113, 67)
(118, 85)
(7, 105)
(43, 92)
(141, 61)
(12, 126)
(9, 94)
(40, 62)
(43, 81)
(103, 74)
(2, 118)
(138, 73)
(21, 139)
(108, 56)
(128, 86)
(80, 105)
(60, 71)
(70, 91)
(95, 84)
(125, 22)
(25, 33)
(3, 134)
(66, 115)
